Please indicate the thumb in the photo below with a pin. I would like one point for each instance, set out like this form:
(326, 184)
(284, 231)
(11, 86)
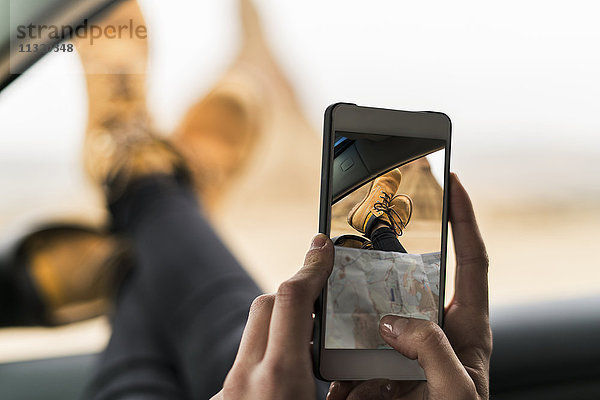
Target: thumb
(425, 342)
(319, 259)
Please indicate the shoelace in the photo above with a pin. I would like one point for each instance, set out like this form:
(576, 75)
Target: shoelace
(367, 245)
(385, 206)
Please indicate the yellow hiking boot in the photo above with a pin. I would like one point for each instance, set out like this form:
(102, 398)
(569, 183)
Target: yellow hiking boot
(224, 134)
(401, 208)
(216, 138)
(115, 74)
(381, 204)
(121, 143)
(219, 134)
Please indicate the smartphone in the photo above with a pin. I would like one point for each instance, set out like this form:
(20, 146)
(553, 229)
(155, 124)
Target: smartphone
(384, 204)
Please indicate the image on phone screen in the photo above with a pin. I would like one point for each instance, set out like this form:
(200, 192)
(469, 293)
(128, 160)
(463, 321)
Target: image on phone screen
(386, 224)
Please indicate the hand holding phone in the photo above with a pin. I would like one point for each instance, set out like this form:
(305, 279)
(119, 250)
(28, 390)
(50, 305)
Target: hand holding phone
(455, 360)
(273, 361)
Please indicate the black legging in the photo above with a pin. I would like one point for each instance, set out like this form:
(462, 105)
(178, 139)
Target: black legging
(385, 239)
(181, 312)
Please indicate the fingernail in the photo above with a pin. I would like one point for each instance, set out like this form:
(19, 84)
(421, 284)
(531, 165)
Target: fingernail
(387, 329)
(392, 325)
(318, 241)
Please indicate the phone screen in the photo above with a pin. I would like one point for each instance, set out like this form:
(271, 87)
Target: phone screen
(386, 224)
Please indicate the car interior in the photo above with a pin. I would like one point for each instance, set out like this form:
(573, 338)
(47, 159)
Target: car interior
(359, 158)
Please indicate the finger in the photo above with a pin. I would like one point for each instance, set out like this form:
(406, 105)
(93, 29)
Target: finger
(471, 285)
(291, 323)
(340, 390)
(218, 396)
(254, 340)
(425, 341)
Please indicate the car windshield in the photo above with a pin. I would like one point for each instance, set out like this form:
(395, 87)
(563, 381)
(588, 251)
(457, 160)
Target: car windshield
(522, 95)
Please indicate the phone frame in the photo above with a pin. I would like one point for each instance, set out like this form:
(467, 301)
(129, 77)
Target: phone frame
(363, 364)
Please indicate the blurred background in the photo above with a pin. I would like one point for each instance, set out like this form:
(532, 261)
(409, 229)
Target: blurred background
(518, 79)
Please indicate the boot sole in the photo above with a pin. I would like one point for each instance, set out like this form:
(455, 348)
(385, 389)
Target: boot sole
(409, 214)
(357, 206)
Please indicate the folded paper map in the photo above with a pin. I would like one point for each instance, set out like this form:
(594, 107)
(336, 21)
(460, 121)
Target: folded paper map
(365, 285)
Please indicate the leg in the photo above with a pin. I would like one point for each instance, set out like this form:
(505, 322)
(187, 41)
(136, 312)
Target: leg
(181, 313)
(135, 364)
(193, 293)
(179, 320)
(384, 238)
(193, 290)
